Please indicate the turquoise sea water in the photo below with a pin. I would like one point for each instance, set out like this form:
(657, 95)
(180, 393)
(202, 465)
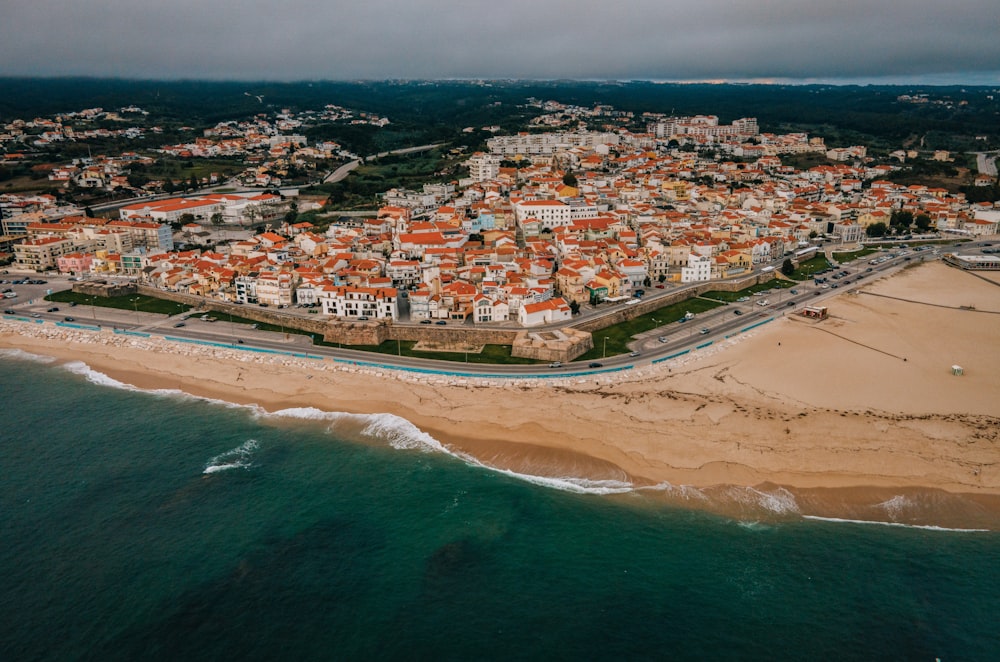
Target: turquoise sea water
(160, 527)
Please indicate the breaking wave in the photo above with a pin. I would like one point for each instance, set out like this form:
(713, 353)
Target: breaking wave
(926, 527)
(236, 458)
(21, 355)
(780, 501)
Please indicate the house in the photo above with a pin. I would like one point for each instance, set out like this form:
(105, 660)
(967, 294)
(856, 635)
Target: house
(544, 312)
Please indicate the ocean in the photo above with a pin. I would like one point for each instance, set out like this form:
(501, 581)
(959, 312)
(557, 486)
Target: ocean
(156, 526)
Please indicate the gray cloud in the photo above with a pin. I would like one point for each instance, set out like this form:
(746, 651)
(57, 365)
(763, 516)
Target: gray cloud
(378, 39)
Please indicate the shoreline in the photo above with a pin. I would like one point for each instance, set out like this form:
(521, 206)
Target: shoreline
(791, 413)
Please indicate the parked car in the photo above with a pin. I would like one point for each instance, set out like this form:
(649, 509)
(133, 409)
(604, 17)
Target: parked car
(179, 325)
(662, 339)
(8, 312)
(633, 354)
(704, 331)
(425, 321)
(53, 309)
(555, 364)
(69, 319)
(737, 312)
(363, 318)
(441, 322)
(595, 364)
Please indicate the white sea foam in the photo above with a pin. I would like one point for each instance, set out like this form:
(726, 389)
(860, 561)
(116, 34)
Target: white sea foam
(895, 506)
(101, 379)
(21, 355)
(568, 483)
(926, 527)
(754, 525)
(307, 413)
(402, 434)
(684, 491)
(236, 458)
(780, 501)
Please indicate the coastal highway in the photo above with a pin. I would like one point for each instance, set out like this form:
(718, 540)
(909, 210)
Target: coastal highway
(719, 322)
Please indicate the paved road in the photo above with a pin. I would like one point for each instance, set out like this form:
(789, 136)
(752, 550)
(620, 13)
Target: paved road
(344, 170)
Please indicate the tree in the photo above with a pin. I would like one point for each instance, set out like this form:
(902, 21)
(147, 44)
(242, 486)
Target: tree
(901, 219)
(876, 230)
(574, 308)
(661, 278)
(787, 267)
(186, 218)
(569, 179)
(813, 234)
(923, 222)
(216, 218)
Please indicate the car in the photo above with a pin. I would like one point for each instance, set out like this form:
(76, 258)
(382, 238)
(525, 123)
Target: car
(255, 326)
(793, 291)
(363, 318)
(868, 270)
(179, 325)
(35, 315)
(659, 287)
(53, 309)
(834, 286)
(595, 364)
(790, 303)
(816, 294)
(555, 364)
(72, 304)
(441, 322)
(425, 321)
(633, 354)
(239, 340)
(704, 331)
(69, 319)
(8, 312)
(662, 339)
(743, 299)
(737, 312)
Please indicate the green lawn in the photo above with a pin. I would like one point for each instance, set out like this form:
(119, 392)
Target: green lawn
(844, 258)
(806, 270)
(138, 302)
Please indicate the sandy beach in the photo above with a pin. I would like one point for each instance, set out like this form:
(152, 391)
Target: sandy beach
(855, 416)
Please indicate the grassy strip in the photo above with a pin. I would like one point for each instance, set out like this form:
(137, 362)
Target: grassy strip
(844, 258)
(137, 302)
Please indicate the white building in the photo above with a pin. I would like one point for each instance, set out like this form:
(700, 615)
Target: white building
(699, 269)
(358, 303)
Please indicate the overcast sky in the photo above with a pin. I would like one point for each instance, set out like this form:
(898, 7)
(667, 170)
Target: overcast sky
(914, 40)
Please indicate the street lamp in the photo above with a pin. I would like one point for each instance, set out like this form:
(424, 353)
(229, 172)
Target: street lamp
(605, 347)
(135, 305)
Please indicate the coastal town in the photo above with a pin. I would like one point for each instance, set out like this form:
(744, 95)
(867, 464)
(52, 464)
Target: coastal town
(536, 225)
